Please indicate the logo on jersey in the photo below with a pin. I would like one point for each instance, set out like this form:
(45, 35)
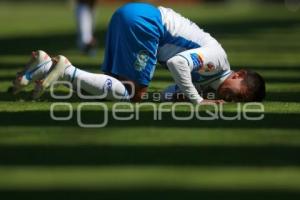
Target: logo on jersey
(210, 67)
(197, 60)
(141, 60)
(198, 63)
(108, 84)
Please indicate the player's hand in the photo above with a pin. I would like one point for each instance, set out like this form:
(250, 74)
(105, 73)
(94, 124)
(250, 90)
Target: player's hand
(205, 101)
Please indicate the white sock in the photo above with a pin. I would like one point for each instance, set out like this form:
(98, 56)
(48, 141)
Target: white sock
(41, 71)
(85, 18)
(96, 84)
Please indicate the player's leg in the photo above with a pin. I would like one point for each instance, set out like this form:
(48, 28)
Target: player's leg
(85, 15)
(95, 84)
(131, 45)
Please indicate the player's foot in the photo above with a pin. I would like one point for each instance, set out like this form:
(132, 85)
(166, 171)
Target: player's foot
(60, 63)
(34, 71)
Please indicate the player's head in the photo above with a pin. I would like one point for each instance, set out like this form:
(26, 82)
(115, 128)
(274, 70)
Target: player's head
(243, 86)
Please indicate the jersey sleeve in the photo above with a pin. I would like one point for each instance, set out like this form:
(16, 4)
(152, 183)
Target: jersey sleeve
(206, 61)
(181, 73)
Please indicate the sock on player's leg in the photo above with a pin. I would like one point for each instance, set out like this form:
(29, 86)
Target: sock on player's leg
(96, 84)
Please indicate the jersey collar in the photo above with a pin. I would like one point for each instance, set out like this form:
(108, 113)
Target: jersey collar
(216, 84)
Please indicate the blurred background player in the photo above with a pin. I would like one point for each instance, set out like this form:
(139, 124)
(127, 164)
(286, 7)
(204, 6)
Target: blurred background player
(85, 18)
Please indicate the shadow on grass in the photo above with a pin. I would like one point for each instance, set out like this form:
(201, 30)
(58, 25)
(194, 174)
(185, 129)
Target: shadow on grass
(256, 67)
(53, 44)
(248, 26)
(150, 194)
(283, 97)
(146, 119)
(59, 42)
(27, 96)
(91, 155)
(267, 68)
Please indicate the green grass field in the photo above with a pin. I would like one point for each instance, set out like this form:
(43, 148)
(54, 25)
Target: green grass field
(147, 159)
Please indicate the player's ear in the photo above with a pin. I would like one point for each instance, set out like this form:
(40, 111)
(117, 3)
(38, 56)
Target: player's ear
(236, 75)
(239, 75)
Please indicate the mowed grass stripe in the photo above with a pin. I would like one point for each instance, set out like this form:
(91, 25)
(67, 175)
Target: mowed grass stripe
(44, 106)
(139, 136)
(149, 177)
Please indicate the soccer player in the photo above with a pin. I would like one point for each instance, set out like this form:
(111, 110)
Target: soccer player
(85, 19)
(139, 36)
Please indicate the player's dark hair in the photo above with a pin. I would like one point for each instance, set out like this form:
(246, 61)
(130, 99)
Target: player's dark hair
(256, 87)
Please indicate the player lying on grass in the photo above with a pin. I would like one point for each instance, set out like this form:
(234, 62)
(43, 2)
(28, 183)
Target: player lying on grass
(139, 35)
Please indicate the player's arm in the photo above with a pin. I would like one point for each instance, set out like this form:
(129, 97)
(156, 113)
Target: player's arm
(181, 73)
(173, 93)
(209, 59)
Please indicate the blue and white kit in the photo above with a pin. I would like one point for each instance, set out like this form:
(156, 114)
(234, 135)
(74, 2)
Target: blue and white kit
(140, 35)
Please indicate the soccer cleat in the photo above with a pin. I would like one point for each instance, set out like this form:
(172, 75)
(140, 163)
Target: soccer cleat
(38, 60)
(60, 63)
